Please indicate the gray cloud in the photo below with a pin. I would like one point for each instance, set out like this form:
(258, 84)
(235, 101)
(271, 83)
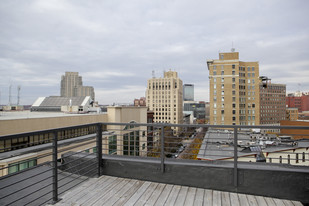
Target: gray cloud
(115, 45)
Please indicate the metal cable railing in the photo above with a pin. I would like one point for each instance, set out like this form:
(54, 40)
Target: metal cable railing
(68, 162)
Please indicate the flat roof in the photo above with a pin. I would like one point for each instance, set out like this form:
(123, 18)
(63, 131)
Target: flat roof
(27, 114)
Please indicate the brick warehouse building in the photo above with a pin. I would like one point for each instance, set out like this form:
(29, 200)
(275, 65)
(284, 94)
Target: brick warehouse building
(300, 101)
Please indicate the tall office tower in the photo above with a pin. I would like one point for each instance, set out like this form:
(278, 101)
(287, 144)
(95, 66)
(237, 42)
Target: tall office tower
(85, 91)
(234, 90)
(272, 102)
(188, 92)
(72, 86)
(164, 98)
(69, 82)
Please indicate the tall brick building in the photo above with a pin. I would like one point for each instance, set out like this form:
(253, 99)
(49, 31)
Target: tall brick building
(272, 102)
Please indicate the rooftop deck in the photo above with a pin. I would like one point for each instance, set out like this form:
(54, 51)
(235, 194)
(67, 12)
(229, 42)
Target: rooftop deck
(108, 190)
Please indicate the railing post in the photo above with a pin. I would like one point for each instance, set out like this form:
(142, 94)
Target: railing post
(162, 149)
(55, 167)
(99, 148)
(235, 158)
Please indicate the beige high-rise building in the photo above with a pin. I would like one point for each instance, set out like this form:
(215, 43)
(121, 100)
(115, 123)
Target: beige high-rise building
(164, 97)
(72, 86)
(234, 90)
(85, 91)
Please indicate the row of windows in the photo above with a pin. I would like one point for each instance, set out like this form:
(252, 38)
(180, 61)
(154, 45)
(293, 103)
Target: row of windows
(241, 68)
(21, 165)
(162, 105)
(32, 140)
(163, 85)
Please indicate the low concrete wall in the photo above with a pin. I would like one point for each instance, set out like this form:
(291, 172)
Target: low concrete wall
(257, 179)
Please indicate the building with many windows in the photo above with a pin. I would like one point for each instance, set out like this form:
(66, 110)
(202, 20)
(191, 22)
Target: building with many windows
(272, 102)
(72, 86)
(291, 114)
(234, 90)
(188, 92)
(298, 100)
(165, 98)
(198, 109)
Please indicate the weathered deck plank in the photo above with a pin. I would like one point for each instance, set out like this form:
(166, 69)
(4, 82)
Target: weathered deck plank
(155, 195)
(138, 194)
(190, 196)
(164, 195)
(173, 195)
(182, 195)
(234, 199)
(226, 200)
(199, 197)
(208, 197)
(108, 190)
(146, 194)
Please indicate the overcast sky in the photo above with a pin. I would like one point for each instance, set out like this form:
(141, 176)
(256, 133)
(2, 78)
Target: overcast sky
(115, 45)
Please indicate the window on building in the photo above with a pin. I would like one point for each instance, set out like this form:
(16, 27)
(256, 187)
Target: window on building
(249, 69)
(233, 86)
(222, 79)
(234, 112)
(233, 72)
(215, 73)
(215, 105)
(18, 166)
(233, 99)
(234, 105)
(215, 112)
(252, 68)
(233, 66)
(222, 72)
(222, 111)
(215, 80)
(234, 118)
(215, 67)
(233, 92)
(222, 99)
(233, 79)
(222, 93)
(221, 56)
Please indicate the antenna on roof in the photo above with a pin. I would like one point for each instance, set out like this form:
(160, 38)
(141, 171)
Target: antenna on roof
(10, 88)
(18, 94)
(153, 74)
(233, 49)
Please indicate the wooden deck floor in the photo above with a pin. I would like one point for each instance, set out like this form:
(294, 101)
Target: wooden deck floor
(108, 190)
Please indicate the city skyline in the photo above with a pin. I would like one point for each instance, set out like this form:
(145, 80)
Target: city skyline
(116, 46)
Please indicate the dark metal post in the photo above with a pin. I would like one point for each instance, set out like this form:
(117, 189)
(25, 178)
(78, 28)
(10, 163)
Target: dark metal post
(99, 148)
(55, 168)
(235, 158)
(162, 149)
